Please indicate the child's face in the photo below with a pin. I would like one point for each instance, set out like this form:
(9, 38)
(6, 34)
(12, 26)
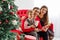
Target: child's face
(33, 16)
(30, 15)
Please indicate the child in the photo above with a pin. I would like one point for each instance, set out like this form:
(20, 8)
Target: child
(28, 25)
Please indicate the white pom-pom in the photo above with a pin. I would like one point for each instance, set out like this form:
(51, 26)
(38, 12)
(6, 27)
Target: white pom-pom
(16, 15)
(14, 22)
(0, 9)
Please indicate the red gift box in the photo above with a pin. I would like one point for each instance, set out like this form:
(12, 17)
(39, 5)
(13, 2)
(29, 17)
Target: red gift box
(29, 37)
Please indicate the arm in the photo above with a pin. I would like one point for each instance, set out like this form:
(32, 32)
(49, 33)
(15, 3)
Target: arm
(29, 29)
(39, 27)
(46, 27)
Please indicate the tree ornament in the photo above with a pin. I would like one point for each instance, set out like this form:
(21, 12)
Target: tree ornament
(6, 21)
(11, 7)
(12, 13)
(3, 0)
(0, 9)
(0, 22)
(14, 22)
(0, 12)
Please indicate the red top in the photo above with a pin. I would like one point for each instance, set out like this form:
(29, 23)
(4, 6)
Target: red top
(39, 24)
(26, 30)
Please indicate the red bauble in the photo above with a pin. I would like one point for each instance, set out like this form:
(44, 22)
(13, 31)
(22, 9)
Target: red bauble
(3, 0)
(6, 21)
(11, 7)
(0, 22)
(0, 12)
(12, 13)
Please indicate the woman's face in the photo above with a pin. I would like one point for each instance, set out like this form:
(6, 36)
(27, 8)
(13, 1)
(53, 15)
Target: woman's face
(43, 11)
(36, 11)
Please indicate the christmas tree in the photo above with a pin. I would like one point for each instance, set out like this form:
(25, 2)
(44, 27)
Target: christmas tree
(8, 19)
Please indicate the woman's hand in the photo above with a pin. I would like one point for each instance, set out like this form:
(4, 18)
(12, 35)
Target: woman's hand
(48, 25)
(36, 29)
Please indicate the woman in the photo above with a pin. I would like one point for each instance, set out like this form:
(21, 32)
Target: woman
(43, 15)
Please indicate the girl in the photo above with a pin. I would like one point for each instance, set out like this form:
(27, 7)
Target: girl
(28, 26)
(43, 16)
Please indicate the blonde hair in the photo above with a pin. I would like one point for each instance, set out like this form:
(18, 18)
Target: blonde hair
(29, 11)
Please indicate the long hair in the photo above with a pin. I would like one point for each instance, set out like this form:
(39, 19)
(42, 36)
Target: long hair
(45, 17)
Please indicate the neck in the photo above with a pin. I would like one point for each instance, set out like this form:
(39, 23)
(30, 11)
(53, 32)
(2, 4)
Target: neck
(41, 15)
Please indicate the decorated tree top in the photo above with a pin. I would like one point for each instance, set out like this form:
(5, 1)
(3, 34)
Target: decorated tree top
(8, 19)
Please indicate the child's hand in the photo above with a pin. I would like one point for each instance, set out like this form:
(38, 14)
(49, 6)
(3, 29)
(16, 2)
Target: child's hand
(32, 26)
(36, 29)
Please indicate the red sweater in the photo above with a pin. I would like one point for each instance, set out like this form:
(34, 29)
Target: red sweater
(26, 30)
(39, 24)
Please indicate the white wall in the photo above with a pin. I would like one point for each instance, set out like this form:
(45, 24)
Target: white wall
(24, 4)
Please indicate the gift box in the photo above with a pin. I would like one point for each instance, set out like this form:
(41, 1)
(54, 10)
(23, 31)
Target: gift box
(29, 37)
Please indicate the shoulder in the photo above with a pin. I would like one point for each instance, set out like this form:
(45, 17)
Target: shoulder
(37, 18)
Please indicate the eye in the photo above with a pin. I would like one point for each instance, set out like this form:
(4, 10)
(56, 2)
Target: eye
(43, 8)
